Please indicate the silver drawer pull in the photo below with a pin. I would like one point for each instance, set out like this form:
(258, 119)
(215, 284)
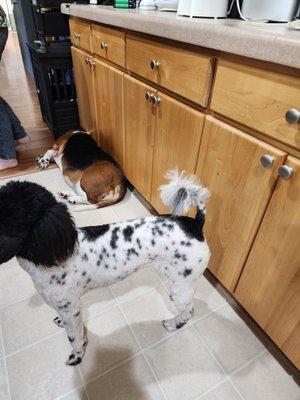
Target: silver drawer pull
(148, 96)
(154, 65)
(87, 60)
(155, 100)
(292, 116)
(285, 172)
(103, 45)
(267, 161)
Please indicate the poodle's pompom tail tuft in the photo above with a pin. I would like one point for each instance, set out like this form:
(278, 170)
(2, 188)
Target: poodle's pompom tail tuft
(183, 192)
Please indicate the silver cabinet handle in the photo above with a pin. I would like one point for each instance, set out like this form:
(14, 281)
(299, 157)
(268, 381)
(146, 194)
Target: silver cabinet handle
(103, 45)
(92, 64)
(154, 65)
(148, 96)
(267, 161)
(78, 36)
(285, 172)
(155, 100)
(292, 116)
(87, 60)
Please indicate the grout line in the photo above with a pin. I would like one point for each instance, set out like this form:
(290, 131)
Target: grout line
(142, 352)
(147, 291)
(112, 368)
(211, 389)
(60, 332)
(84, 385)
(155, 376)
(67, 393)
(248, 362)
(236, 389)
(210, 351)
(4, 362)
(17, 301)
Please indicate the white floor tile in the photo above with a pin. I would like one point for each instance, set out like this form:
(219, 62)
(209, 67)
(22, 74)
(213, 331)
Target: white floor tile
(4, 395)
(25, 323)
(78, 394)
(136, 284)
(40, 373)
(183, 365)
(145, 315)
(229, 338)
(96, 301)
(206, 299)
(130, 207)
(265, 379)
(130, 381)
(110, 341)
(225, 391)
(15, 283)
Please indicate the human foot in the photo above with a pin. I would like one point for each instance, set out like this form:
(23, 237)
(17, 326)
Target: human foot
(5, 164)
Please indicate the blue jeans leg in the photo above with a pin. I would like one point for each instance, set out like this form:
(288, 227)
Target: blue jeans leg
(7, 144)
(17, 128)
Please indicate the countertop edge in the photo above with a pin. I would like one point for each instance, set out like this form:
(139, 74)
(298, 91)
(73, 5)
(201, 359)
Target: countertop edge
(261, 46)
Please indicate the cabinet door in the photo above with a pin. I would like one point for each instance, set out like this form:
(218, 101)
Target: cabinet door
(109, 105)
(269, 287)
(177, 140)
(229, 165)
(84, 77)
(139, 134)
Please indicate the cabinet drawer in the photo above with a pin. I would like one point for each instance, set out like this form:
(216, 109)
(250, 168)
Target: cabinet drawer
(258, 99)
(109, 44)
(80, 33)
(185, 72)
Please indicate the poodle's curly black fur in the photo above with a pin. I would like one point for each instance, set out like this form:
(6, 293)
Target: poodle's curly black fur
(35, 226)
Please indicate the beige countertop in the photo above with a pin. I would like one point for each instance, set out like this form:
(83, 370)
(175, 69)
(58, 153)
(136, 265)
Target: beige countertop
(269, 42)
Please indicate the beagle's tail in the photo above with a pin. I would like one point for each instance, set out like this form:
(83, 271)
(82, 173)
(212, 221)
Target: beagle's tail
(183, 192)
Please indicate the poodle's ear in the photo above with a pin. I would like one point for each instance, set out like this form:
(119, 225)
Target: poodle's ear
(9, 247)
(52, 239)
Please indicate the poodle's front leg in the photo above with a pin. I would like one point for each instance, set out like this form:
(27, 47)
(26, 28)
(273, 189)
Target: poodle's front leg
(44, 161)
(71, 319)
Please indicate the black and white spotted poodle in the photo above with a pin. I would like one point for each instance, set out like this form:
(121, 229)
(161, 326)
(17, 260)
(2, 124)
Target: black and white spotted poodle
(65, 262)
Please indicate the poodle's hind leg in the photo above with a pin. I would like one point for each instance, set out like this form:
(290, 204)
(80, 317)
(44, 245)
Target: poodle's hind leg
(182, 293)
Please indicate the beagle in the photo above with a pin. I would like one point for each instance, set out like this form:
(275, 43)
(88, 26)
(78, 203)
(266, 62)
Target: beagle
(96, 179)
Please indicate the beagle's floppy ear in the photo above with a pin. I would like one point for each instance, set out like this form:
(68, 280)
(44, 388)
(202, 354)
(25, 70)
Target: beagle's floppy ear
(9, 247)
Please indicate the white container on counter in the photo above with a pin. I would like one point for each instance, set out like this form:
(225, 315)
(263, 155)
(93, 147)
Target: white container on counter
(203, 8)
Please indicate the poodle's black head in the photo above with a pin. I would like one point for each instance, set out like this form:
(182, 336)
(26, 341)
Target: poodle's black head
(33, 225)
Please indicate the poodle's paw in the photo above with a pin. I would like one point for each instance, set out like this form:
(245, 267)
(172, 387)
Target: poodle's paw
(172, 325)
(74, 359)
(58, 322)
(42, 162)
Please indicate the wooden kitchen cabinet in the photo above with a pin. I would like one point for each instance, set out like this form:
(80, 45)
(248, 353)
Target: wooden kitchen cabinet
(177, 140)
(109, 106)
(257, 98)
(80, 34)
(229, 165)
(269, 287)
(185, 72)
(84, 80)
(139, 123)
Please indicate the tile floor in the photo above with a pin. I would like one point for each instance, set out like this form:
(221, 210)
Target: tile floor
(130, 356)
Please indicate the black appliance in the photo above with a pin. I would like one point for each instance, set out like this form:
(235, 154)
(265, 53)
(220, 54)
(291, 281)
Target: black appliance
(52, 65)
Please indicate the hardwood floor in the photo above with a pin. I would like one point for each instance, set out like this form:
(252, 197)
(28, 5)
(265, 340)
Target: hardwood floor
(19, 90)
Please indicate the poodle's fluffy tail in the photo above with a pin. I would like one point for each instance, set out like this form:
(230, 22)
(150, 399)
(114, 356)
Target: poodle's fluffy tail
(183, 192)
